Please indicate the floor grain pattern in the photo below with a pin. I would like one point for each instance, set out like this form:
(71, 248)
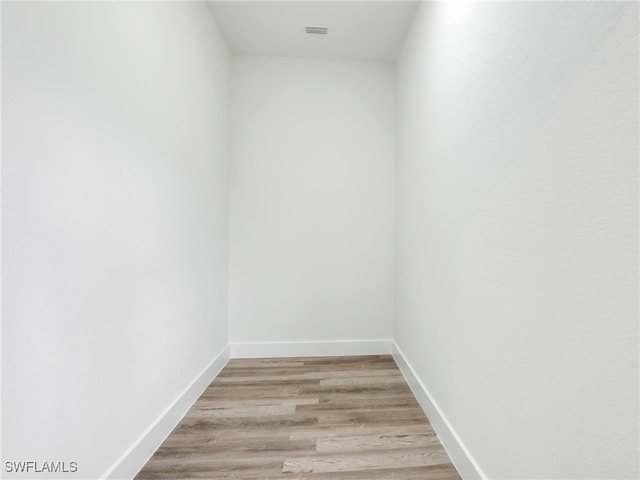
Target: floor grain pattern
(311, 418)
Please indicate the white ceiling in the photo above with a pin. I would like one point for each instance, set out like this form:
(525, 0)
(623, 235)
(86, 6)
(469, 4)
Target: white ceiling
(358, 30)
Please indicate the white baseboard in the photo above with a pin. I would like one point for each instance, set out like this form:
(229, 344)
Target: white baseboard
(310, 349)
(460, 456)
(130, 463)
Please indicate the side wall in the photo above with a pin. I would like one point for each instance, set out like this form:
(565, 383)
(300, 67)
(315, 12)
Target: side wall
(114, 187)
(517, 231)
(311, 192)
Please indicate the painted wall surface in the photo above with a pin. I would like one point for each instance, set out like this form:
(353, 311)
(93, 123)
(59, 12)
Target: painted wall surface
(114, 221)
(311, 199)
(517, 231)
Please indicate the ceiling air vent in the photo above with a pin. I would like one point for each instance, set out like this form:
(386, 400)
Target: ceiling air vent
(315, 30)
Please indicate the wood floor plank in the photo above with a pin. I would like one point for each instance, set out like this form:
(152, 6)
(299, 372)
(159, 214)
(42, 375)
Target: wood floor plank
(211, 401)
(238, 375)
(305, 418)
(365, 461)
(374, 442)
(247, 411)
(427, 472)
(364, 380)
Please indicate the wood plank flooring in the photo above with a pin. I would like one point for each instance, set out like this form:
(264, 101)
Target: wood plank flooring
(312, 418)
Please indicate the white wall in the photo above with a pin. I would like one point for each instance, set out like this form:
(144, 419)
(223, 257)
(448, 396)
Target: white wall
(311, 192)
(114, 221)
(517, 230)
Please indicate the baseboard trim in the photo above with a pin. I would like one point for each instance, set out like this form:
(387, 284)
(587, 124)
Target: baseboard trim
(310, 349)
(460, 456)
(130, 463)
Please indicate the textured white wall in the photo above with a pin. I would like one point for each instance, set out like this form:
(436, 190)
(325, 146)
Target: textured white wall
(311, 198)
(114, 221)
(517, 231)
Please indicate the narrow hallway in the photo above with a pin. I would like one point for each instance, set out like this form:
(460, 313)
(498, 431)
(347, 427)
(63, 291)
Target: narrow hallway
(312, 418)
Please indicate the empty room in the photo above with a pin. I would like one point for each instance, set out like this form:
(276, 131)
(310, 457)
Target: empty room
(320, 240)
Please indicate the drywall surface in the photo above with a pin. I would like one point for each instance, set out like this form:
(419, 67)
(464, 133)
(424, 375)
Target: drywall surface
(517, 231)
(311, 200)
(114, 222)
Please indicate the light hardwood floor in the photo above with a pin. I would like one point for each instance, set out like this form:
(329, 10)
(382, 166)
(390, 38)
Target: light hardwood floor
(314, 418)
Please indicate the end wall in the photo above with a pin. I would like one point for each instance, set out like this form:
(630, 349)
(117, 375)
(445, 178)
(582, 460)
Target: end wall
(311, 192)
(517, 231)
(114, 208)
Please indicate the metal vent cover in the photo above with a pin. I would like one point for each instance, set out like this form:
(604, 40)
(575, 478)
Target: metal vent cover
(315, 30)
